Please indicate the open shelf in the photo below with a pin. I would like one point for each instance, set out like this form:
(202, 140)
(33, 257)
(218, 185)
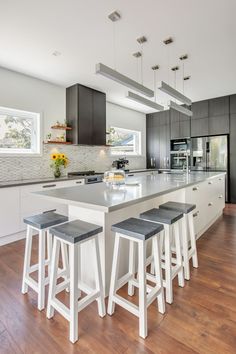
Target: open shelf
(58, 142)
(61, 127)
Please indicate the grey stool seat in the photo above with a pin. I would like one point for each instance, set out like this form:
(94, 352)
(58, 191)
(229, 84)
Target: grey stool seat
(137, 228)
(162, 215)
(45, 220)
(184, 208)
(75, 231)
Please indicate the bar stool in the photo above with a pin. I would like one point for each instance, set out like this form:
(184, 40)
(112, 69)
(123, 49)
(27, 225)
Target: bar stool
(41, 223)
(137, 231)
(74, 233)
(170, 220)
(187, 224)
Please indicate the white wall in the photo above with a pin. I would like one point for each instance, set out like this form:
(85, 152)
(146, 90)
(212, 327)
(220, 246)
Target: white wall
(30, 94)
(122, 117)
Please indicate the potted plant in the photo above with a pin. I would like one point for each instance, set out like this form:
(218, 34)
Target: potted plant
(58, 160)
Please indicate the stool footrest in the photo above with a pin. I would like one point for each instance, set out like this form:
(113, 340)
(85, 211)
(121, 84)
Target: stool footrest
(129, 306)
(123, 280)
(61, 308)
(153, 294)
(62, 286)
(87, 300)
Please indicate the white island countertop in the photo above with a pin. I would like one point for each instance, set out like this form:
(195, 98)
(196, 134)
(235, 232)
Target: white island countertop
(100, 197)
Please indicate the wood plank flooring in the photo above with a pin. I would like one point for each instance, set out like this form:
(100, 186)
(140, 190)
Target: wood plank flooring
(202, 318)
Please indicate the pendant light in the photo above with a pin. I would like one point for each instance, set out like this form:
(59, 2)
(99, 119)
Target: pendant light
(114, 75)
(169, 89)
(137, 98)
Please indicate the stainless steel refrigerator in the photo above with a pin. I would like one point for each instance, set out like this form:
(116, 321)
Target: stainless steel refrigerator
(210, 154)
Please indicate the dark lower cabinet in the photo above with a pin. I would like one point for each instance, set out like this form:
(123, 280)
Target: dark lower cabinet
(86, 114)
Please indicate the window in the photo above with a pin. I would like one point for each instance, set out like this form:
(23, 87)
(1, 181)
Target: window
(124, 141)
(19, 132)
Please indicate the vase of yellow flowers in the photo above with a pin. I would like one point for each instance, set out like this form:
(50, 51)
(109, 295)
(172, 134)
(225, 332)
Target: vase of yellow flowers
(58, 160)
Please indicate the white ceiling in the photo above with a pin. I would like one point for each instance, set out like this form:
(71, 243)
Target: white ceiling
(30, 31)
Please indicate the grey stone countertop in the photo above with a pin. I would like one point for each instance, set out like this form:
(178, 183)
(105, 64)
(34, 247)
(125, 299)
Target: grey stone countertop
(137, 189)
(25, 182)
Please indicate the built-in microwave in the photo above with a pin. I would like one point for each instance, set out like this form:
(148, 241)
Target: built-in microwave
(180, 152)
(180, 144)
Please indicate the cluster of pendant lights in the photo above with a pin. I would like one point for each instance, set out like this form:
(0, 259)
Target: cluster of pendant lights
(139, 87)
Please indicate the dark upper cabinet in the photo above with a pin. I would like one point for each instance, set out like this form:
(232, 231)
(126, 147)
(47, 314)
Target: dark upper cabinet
(200, 109)
(219, 125)
(179, 125)
(199, 127)
(232, 156)
(219, 106)
(232, 104)
(86, 114)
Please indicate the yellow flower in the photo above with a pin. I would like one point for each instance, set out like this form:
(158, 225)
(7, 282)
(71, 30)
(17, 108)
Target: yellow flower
(53, 156)
(63, 156)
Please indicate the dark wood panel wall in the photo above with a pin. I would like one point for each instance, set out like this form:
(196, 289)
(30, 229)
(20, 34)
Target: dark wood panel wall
(216, 116)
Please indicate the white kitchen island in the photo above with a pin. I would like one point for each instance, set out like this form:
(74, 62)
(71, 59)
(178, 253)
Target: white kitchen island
(104, 206)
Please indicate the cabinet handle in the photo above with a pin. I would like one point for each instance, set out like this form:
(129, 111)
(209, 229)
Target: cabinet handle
(210, 204)
(130, 175)
(220, 196)
(195, 214)
(220, 179)
(210, 182)
(195, 188)
(49, 185)
(78, 182)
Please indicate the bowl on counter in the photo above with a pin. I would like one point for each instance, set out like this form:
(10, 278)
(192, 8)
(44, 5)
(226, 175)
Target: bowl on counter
(114, 178)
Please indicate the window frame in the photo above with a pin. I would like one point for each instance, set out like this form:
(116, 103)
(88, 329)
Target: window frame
(37, 142)
(134, 154)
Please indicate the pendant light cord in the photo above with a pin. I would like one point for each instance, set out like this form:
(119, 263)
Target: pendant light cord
(155, 85)
(141, 59)
(183, 76)
(114, 44)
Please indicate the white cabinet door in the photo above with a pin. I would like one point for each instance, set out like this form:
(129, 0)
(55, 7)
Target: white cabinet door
(9, 211)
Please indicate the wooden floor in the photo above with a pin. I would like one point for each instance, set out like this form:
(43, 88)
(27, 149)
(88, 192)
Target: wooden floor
(201, 320)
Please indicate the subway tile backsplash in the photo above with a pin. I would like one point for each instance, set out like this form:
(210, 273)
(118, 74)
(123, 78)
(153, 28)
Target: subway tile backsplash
(81, 158)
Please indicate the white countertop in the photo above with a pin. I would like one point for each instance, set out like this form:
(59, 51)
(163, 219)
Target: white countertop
(100, 197)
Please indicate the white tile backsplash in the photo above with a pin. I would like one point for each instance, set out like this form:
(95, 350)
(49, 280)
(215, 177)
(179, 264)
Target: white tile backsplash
(81, 158)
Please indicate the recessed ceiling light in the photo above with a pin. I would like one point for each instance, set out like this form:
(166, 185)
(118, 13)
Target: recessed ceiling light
(56, 53)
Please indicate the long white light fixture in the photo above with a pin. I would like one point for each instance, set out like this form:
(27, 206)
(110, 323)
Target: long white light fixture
(174, 93)
(123, 80)
(180, 109)
(134, 97)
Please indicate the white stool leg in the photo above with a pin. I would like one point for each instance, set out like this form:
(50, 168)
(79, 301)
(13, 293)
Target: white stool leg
(73, 255)
(49, 249)
(168, 266)
(41, 271)
(179, 259)
(193, 240)
(79, 270)
(152, 268)
(27, 257)
(53, 276)
(98, 278)
(65, 261)
(142, 290)
(184, 230)
(131, 266)
(156, 242)
(114, 276)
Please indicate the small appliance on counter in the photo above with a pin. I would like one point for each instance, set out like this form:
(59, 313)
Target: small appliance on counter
(120, 163)
(88, 176)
